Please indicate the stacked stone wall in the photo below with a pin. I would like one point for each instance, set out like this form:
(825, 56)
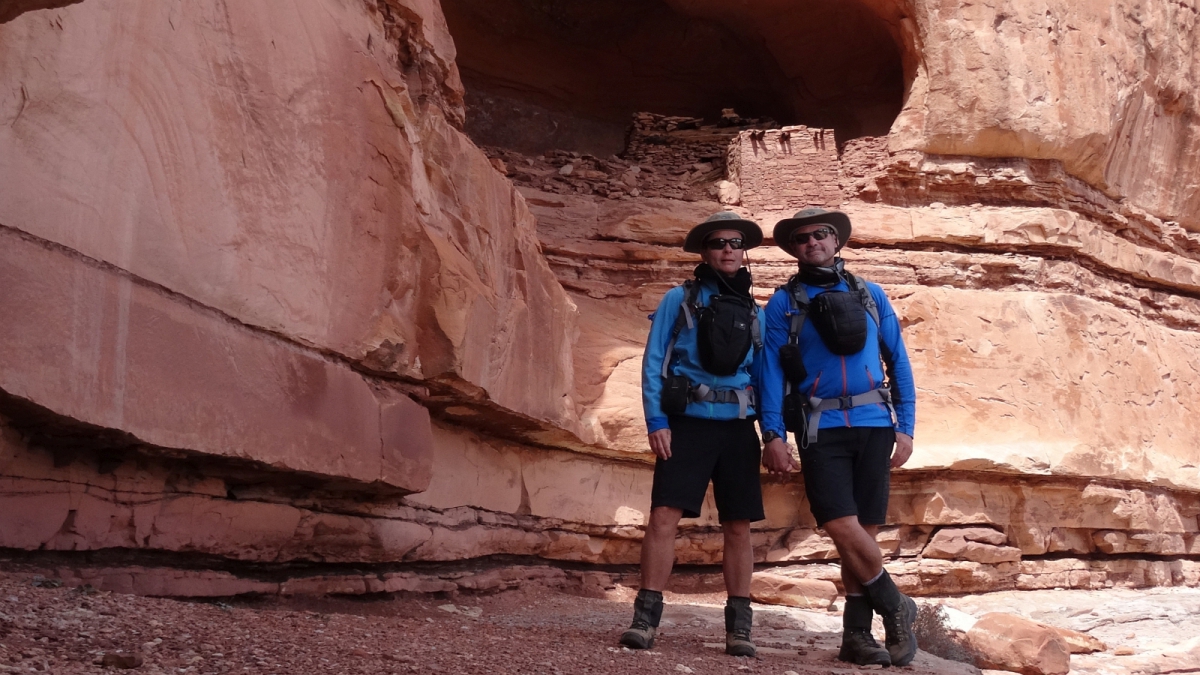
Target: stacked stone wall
(785, 169)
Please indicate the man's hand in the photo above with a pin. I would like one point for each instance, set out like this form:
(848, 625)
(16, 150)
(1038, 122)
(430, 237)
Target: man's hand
(660, 443)
(777, 457)
(903, 450)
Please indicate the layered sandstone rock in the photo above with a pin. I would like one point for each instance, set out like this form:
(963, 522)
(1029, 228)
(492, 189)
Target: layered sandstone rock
(300, 182)
(270, 306)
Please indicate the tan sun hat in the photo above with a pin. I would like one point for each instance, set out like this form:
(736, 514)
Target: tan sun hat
(784, 229)
(723, 220)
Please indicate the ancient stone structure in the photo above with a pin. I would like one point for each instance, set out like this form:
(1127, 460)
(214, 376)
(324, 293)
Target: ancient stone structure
(281, 293)
(784, 170)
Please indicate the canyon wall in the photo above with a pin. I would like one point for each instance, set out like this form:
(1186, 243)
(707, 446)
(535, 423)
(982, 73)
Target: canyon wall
(275, 323)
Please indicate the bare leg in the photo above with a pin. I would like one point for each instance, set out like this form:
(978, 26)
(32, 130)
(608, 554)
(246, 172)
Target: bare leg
(658, 547)
(738, 559)
(861, 558)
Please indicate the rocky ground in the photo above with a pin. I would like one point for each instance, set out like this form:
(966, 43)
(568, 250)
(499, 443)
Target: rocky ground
(1149, 630)
(46, 628)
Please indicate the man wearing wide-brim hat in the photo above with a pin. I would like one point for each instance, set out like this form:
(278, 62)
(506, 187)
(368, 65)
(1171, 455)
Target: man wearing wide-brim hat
(698, 395)
(828, 337)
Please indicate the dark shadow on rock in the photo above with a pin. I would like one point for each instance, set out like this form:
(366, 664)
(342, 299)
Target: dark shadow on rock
(11, 9)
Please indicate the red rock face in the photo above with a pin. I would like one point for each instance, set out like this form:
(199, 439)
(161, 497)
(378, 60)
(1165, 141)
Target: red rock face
(266, 303)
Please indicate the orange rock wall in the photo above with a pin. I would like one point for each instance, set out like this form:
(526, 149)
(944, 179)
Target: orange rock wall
(1082, 83)
(272, 307)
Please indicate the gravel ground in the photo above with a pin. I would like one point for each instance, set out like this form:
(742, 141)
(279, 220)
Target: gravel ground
(63, 630)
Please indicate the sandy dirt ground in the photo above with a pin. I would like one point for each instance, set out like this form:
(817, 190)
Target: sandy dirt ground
(72, 630)
(48, 628)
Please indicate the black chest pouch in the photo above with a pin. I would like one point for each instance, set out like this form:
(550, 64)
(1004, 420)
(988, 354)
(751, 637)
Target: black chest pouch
(841, 321)
(724, 333)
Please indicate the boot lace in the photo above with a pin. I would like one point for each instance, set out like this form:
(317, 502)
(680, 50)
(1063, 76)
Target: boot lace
(864, 636)
(894, 624)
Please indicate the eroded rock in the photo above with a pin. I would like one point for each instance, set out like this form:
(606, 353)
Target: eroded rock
(1006, 642)
(776, 589)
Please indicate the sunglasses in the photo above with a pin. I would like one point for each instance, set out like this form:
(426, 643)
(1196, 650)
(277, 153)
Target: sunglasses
(803, 237)
(716, 243)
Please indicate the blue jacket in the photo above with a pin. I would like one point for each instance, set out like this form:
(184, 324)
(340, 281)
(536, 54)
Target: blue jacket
(831, 376)
(685, 360)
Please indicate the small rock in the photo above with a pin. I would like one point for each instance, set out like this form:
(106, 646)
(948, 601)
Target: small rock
(1123, 651)
(123, 661)
(682, 668)
(566, 169)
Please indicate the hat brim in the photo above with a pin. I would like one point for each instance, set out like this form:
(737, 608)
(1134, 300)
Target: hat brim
(752, 234)
(785, 228)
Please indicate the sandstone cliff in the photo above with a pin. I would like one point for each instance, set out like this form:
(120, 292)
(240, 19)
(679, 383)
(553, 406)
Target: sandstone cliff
(270, 305)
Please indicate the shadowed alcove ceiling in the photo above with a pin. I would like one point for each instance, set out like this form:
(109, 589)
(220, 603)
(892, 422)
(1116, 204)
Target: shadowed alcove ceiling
(568, 74)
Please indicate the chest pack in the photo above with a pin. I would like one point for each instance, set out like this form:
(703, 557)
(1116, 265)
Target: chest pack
(840, 319)
(726, 329)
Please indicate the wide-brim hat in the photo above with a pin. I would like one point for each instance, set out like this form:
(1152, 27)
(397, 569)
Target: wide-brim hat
(723, 220)
(786, 227)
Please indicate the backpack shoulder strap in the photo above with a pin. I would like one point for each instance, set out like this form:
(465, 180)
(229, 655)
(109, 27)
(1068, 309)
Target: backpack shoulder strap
(799, 300)
(686, 317)
(857, 283)
(691, 291)
(859, 286)
(755, 329)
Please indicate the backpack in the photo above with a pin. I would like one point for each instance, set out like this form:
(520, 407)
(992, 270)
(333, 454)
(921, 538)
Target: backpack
(826, 325)
(802, 414)
(726, 330)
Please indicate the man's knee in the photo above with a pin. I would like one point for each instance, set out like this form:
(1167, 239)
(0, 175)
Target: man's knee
(664, 520)
(843, 529)
(736, 529)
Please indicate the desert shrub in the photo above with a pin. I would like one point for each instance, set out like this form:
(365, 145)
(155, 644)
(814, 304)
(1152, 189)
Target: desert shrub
(935, 637)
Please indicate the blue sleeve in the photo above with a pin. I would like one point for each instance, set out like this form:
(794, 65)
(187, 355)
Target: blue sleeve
(904, 389)
(662, 322)
(775, 335)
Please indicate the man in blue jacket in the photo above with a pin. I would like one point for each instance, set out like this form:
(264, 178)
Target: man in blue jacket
(698, 394)
(828, 337)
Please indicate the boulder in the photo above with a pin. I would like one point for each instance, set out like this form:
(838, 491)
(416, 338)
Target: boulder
(1006, 642)
(776, 589)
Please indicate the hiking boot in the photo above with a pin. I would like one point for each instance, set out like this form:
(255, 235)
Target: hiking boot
(860, 647)
(739, 617)
(639, 636)
(647, 610)
(898, 612)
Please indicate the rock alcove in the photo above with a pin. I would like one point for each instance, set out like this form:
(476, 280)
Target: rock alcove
(565, 74)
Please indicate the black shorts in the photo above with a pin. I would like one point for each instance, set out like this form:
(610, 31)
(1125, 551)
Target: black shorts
(847, 472)
(726, 452)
